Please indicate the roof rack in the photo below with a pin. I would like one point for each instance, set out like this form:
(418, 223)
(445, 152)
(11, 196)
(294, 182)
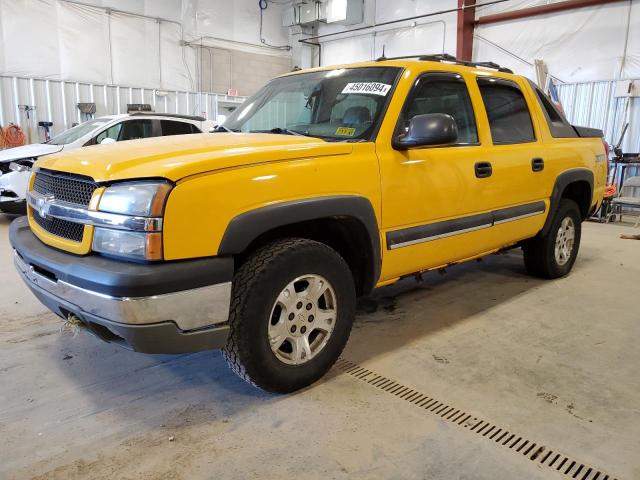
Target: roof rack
(445, 57)
(173, 115)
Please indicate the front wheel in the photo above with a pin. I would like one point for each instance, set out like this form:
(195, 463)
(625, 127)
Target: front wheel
(293, 305)
(553, 255)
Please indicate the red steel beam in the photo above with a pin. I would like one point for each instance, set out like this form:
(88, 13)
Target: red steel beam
(540, 10)
(466, 24)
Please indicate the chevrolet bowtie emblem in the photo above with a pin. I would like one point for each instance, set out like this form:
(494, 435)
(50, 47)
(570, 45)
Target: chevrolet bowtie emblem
(43, 205)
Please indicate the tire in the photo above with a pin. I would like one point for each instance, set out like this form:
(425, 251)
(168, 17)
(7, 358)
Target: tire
(540, 256)
(261, 314)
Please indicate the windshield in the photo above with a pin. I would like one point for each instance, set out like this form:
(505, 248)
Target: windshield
(79, 131)
(341, 104)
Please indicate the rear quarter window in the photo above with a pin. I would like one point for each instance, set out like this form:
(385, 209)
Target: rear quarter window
(558, 124)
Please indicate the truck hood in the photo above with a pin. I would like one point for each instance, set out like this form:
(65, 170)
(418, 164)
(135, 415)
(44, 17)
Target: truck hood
(180, 156)
(29, 151)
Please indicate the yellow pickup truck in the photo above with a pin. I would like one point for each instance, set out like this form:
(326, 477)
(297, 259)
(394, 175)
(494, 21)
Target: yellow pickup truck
(258, 238)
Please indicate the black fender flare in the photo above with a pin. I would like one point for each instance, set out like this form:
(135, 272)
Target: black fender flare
(246, 227)
(562, 182)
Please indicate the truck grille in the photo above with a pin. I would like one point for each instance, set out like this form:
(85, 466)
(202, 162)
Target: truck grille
(61, 228)
(66, 187)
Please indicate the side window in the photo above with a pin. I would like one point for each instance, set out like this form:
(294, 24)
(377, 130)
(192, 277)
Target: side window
(509, 117)
(442, 93)
(550, 110)
(111, 132)
(558, 125)
(170, 127)
(133, 129)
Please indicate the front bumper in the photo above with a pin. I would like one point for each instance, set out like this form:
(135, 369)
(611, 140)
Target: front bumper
(12, 206)
(171, 307)
(13, 187)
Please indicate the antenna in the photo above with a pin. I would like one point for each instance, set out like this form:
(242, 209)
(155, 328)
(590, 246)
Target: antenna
(383, 57)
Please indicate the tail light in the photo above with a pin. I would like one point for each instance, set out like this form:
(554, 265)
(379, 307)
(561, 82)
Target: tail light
(606, 155)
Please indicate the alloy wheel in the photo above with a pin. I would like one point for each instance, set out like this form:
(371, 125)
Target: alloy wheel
(302, 319)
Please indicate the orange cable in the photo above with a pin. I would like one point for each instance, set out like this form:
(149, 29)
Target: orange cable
(12, 136)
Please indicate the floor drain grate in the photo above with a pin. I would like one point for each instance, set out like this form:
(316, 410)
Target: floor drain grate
(535, 452)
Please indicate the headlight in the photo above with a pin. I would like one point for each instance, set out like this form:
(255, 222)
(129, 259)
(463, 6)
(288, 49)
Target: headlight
(134, 199)
(139, 199)
(21, 165)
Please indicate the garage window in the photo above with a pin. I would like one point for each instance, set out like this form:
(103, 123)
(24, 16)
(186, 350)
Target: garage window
(509, 117)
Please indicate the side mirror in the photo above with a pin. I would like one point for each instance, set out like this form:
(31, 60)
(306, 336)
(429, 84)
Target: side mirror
(428, 129)
(107, 141)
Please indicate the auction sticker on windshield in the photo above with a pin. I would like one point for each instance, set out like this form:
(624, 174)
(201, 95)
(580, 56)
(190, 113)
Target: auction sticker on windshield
(371, 88)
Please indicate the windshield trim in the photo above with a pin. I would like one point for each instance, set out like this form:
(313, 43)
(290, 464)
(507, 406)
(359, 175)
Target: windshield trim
(385, 107)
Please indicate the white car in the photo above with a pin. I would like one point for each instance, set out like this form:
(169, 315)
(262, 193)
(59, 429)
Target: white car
(15, 163)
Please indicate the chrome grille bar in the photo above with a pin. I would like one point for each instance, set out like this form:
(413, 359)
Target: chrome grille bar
(47, 206)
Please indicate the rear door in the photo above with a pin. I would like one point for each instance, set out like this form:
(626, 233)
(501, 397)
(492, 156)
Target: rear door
(517, 158)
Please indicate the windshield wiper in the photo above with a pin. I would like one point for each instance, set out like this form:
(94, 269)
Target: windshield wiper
(282, 131)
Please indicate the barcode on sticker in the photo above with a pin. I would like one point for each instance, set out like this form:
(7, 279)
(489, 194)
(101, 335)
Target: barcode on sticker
(372, 88)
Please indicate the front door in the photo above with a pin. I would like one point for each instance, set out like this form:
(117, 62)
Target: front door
(433, 198)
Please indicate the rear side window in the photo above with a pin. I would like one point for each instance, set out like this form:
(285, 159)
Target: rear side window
(509, 117)
(170, 127)
(558, 125)
(442, 93)
(549, 109)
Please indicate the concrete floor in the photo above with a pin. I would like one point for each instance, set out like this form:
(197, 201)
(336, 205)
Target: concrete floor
(554, 361)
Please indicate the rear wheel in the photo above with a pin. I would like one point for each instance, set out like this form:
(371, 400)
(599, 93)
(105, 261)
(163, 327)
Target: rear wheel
(292, 309)
(553, 255)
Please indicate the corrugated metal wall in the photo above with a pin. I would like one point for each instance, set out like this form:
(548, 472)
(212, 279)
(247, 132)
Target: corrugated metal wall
(594, 104)
(57, 101)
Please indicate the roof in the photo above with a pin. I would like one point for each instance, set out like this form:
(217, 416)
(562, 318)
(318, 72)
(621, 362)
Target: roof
(452, 63)
(119, 116)
(170, 115)
(446, 58)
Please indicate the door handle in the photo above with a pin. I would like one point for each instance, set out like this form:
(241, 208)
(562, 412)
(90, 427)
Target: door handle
(483, 169)
(537, 164)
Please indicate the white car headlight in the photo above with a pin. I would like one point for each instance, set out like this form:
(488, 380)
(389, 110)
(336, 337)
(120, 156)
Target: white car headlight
(133, 199)
(21, 165)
